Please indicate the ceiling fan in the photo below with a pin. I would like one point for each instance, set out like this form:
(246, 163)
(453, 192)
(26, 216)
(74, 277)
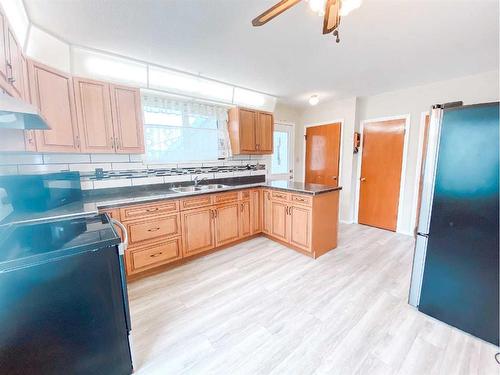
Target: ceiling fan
(332, 10)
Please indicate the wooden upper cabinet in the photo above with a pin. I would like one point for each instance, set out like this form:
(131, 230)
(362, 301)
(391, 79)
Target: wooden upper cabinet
(248, 140)
(52, 92)
(93, 108)
(250, 131)
(127, 119)
(3, 49)
(264, 132)
(15, 65)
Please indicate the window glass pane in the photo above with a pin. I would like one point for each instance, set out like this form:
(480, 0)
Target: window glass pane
(196, 121)
(171, 118)
(280, 155)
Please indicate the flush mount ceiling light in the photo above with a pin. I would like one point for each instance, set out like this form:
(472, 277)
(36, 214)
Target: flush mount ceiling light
(313, 100)
(331, 10)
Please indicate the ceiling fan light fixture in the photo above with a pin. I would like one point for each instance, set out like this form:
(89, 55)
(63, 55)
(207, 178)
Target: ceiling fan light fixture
(317, 6)
(348, 6)
(314, 100)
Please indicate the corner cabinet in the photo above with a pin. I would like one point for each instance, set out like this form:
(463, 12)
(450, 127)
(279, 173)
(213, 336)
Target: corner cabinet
(250, 131)
(52, 93)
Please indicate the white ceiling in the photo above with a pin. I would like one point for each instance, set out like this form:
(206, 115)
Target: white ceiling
(385, 44)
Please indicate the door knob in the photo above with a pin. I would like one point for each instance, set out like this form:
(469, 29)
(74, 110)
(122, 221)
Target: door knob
(334, 177)
(362, 179)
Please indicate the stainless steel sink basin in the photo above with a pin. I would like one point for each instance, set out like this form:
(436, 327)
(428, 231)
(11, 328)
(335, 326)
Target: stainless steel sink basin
(185, 189)
(190, 189)
(212, 187)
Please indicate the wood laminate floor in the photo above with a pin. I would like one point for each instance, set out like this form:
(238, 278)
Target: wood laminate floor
(260, 308)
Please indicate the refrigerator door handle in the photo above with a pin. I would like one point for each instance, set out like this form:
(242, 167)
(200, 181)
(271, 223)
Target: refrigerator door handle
(429, 172)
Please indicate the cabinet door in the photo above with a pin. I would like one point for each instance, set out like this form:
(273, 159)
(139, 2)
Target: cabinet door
(52, 93)
(93, 109)
(245, 219)
(264, 132)
(127, 119)
(247, 121)
(15, 64)
(267, 217)
(3, 48)
(198, 231)
(256, 211)
(227, 222)
(300, 227)
(279, 225)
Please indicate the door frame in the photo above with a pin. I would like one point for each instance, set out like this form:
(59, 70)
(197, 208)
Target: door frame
(311, 125)
(402, 179)
(292, 148)
(420, 152)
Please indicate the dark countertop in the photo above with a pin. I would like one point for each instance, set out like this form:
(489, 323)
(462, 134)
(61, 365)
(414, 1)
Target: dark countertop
(302, 187)
(90, 205)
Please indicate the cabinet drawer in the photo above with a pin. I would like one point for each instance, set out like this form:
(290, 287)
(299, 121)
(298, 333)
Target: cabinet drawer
(196, 202)
(245, 194)
(301, 199)
(278, 195)
(147, 230)
(155, 254)
(226, 197)
(146, 210)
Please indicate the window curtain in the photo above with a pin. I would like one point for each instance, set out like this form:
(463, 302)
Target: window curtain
(158, 104)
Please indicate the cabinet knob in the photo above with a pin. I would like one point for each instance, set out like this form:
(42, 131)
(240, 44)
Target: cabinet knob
(362, 179)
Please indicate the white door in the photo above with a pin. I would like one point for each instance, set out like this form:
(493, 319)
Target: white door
(282, 159)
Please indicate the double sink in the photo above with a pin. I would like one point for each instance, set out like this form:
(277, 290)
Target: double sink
(194, 188)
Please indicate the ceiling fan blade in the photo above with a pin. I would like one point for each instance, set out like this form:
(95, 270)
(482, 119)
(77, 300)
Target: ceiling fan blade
(274, 11)
(332, 16)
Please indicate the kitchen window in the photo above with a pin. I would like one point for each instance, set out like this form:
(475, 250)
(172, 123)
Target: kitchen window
(178, 131)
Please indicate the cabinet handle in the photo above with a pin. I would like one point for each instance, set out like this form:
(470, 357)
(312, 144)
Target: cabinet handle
(11, 79)
(290, 211)
(153, 229)
(286, 210)
(299, 199)
(155, 255)
(117, 140)
(152, 209)
(113, 143)
(242, 207)
(212, 215)
(77, 141)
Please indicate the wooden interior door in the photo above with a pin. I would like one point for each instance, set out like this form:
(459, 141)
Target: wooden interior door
(264, 132)
(127, 119)
(52, 93)
(227, 219)
(248, 139)
(93, 108)
(323, 154)
(381, 165)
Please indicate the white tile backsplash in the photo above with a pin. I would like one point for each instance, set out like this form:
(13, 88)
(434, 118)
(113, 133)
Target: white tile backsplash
(89, 167)
(112, 183)
(65, 158)
(137, 158)
(224, 174)
(87, 185)
(8, 169)
(43, 168)
(126, 166)
(147, 181)
(109, 158)
(181, 178)
(21, 159)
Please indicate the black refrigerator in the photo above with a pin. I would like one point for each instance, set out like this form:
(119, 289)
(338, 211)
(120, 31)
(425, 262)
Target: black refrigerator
(63, 298)
(455, 276)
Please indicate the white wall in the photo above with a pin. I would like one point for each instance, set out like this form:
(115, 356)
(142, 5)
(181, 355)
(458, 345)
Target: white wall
(412, 101)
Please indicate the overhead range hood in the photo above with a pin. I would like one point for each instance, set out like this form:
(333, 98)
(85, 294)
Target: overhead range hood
(16, 114)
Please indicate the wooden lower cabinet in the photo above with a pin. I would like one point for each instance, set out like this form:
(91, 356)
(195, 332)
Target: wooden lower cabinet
(256, 210)
(300, 219)
(227, 219)
(198, 230)
(166, 231)
(267, 217)
(279, 220)
(246, 219)
(142, 258)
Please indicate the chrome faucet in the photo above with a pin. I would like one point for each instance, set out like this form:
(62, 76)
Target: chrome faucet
(197, 180)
